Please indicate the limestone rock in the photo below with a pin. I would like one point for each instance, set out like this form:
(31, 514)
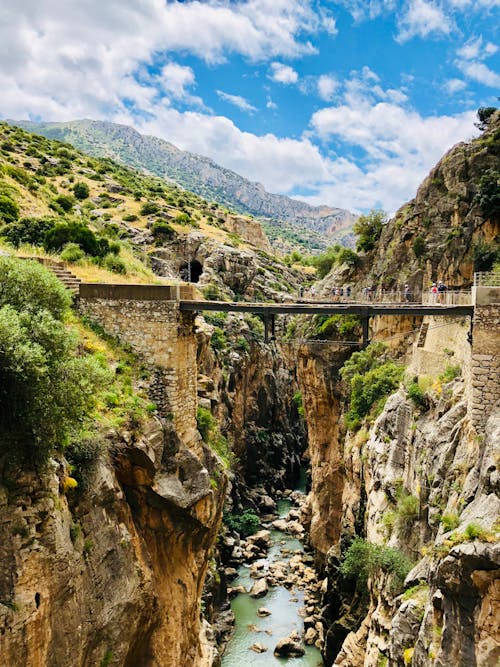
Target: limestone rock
(288, 647)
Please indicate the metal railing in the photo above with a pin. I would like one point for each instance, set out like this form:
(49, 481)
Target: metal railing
(448, 298)
(486, 279)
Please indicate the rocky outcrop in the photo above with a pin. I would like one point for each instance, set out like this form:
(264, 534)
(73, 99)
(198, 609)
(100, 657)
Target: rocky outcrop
(131, 551)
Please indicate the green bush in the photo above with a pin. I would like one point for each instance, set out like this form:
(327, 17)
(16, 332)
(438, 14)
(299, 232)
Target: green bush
(485, 255)
(245, 524)
(419, 246)
(182, 219)
(114, 264)
(363, 560)
(407, 511)
(206, 423)
(368, 229)
(370, 389)
(218, 340)
(9, 210)
(72, 253)
(450, 373)
(149, 208)
(28, 230)
(76, 232)
(46, 389)
(488, 195)
(81, 190)
(297, 401)
(417, 395)
(162, 230)
(242, 344)
(65, 202)
(450, 521)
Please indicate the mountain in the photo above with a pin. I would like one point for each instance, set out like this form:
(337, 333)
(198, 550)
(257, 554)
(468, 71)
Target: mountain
(288, 222)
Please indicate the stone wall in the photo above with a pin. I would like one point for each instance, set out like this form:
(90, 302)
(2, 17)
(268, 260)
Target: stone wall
(147, 317)
(485, 357)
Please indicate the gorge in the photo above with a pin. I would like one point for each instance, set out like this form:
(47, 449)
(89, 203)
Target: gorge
(120, 545)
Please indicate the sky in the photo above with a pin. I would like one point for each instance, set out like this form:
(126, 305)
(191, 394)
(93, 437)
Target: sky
(347, 103)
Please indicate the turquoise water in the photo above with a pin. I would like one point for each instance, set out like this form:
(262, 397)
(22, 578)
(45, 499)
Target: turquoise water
(284, 605)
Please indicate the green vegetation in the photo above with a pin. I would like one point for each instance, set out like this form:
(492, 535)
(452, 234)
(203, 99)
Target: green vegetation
(81, 190)
(371, 378)
(419, 246)
(450, 521)
(9, 210)
(46, 389)
(297, 401)
(340, 326)
(368, 229)
(485, 255)
(417, 395)
(364, 560)
(450, 373)
(335, 255)
(211, 435)
(245, 524)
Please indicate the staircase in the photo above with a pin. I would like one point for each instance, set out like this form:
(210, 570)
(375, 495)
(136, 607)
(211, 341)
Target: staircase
(423, 334)
(59, 269)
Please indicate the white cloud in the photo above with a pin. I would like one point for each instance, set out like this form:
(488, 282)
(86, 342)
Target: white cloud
(237, 101)
(474, 4)
(453, 86)
(283, 73)
(481, 73)
(399, 146)
(421, 19)
(367, 9)
(270, 104)
(327, 86)
(474, 49)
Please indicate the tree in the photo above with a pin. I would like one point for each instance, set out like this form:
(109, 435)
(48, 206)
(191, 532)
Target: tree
(28, 230)
(9, 210)
(368, 229)
(46, 388)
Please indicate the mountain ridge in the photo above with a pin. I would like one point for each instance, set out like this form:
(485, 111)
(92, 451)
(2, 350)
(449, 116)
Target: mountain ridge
(284, 217)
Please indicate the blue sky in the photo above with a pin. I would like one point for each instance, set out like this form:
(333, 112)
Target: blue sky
(347, 103)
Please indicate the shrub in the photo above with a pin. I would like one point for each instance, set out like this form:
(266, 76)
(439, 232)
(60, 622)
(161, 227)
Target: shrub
(182, 219)
(65, 202)
(407, 511)
(76, 232)
(9, 210)
(218, 340)
(245, 524)
(46, 389)
(131, 217)
(485, 255)
(206, 423)
(162, 230)
(114, 264)
(450, 521)
(370, 388)
(28, 230)
(419, 246)
(81, 190)
(450, 373)
(417, 395)
(473, 531)
(72, 252)
(488, 194)
(297, 401)
(149, 208)
(368, 229)
(242, 344)
(363, 560)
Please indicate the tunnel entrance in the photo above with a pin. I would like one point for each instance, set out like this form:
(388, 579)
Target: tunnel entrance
(191, 271)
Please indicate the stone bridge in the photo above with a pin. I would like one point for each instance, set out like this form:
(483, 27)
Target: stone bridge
(158, 323)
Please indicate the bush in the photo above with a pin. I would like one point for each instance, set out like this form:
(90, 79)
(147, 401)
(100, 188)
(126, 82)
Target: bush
(242, 344)
(297, 401)
(9, 210)
(76, 232)
(363, 560)
(206, 423)
(370, 388)
(162, 230)
(488, 195)
(114, 264)
(417, 395)
(407, 511)
(65, 202)
(450, 373)
(28, 230)
(368, 229)
(46, 389)
(149, 208)
(485, 255)
(419, 246)
(245, 524)
(81, 190)
(450, 521)
(218, 340)
(72, 252)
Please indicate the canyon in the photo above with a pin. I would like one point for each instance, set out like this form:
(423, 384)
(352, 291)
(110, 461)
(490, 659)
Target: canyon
(133, 565)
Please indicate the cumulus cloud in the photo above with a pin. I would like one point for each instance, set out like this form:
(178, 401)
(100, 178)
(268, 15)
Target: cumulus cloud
(453, 86)
(283, 73)
(361, 10)
(421, 19)
(237, 101)
(327, 85)
(474, 49)
(481, 73)
(469, 62)
(399, 146)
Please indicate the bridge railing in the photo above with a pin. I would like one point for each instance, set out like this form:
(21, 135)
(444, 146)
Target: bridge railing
(448, 298)
(486, 279)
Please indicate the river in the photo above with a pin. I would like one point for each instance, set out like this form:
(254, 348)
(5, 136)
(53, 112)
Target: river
(284, 605)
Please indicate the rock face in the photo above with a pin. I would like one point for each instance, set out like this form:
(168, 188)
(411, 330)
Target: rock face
(77, 570)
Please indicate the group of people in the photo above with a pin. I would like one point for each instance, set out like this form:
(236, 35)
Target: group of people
(438, 291)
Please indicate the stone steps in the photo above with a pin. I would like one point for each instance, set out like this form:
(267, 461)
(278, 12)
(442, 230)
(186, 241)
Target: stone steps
(68, 279)
(423, 334)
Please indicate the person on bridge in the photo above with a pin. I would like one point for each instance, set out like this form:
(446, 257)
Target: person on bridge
(407, 293)
(434, 291)
(441, 288)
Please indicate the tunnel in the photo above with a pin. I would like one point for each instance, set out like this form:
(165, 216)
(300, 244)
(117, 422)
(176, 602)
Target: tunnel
(191, 271)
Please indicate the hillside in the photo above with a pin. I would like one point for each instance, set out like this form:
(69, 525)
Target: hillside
(288, 222)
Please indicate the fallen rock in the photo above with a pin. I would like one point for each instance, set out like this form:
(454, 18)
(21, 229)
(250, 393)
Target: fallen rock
(288, 647)
(258, 648)
(263, 611)
(260, 588)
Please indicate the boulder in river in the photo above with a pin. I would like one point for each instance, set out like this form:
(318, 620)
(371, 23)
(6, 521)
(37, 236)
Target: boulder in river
(259, 589)
(263, 611)
(288, 647)
(258, 648)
